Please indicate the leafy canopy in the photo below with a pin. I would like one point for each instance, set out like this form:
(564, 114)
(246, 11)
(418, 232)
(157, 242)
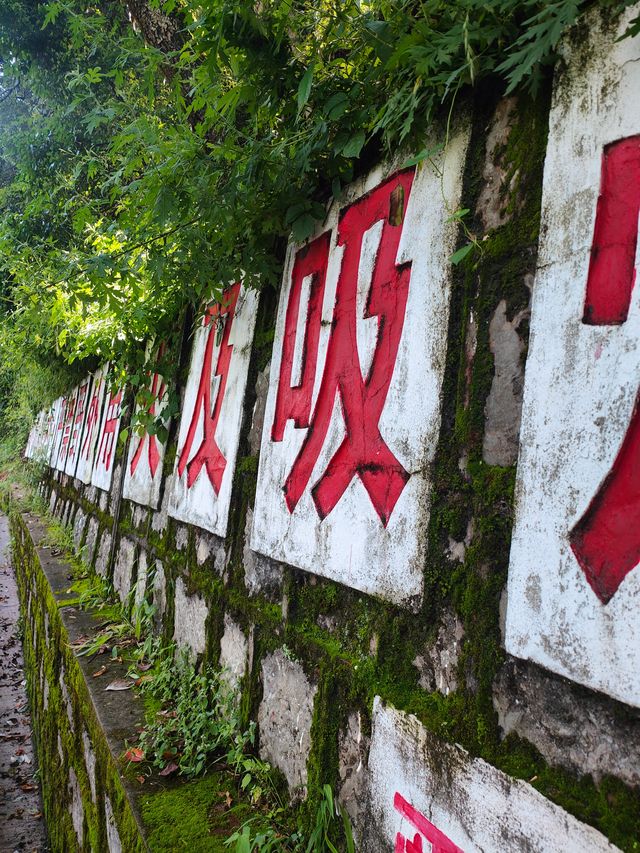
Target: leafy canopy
(137, 176)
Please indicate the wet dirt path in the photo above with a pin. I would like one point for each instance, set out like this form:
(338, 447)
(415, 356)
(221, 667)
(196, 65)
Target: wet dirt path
(21, 823)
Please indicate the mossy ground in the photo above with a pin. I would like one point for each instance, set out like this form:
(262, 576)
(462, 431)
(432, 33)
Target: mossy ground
(193, 816)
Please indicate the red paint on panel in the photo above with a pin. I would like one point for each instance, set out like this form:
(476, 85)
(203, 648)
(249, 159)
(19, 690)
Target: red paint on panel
(107, 442)
(66, 431)
(613, 253)
(93, 415)
(294, 403)
(363, 451)
(158, 387)
(208, 454)
(605, 540)
(83, 393)
(439, 842)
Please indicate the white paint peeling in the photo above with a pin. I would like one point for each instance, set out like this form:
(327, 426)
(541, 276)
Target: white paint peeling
(202, 503)
(478, 808)
(351, 544)
(580, 388)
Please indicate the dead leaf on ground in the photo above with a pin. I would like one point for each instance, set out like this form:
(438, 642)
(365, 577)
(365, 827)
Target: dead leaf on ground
(100, 671)
(134, 754)
(140, 779)
(169, 769)
(144, 667)
(119, 684)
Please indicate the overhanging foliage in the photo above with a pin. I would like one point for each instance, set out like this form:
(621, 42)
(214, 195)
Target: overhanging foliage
(144, 166)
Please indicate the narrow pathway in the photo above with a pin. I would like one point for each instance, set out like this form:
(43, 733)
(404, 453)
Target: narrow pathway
(21, 823)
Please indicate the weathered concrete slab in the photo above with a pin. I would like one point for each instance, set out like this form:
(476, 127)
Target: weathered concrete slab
(573, 587)
(234, 653)
(190, 620)
(83, 396)
(123, 568)
(422, 786)
(107, 438)
(143, 472)
(353, 410)
(91, 428)
(212, 412)
(284, 718)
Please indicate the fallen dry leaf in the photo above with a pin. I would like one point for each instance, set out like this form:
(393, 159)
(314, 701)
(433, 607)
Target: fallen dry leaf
(140, 779)
(27, 787)
(100, 671)
(134, 754)
(144, 667)
(119, 684)
(169, 769)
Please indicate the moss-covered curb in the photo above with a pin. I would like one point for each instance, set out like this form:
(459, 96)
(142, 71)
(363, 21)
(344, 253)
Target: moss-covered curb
(80, 730)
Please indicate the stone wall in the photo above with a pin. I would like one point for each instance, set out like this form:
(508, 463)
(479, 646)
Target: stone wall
(332, 517)
(77, 738)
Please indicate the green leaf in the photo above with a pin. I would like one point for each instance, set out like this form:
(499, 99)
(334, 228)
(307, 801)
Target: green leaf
(165, 204)
(354, 146)
(304, 88)
(53, 10)
(336, 105)
(303, 227)
(461, 254)
(425, 154)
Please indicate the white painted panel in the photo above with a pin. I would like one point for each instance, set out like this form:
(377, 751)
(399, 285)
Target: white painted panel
(350, 542)
(91, 427)
(580, 389)
(107, 437)
(83, 397)
(52, 424)
(200, 495)
(66, 425)
(56, 430)
(143, 473)
(421, 785)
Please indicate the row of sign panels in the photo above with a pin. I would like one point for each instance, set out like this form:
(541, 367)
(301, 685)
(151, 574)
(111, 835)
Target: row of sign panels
(353, 408)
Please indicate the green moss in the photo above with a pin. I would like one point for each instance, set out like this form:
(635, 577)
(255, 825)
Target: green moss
(192, 817)
(52, 728)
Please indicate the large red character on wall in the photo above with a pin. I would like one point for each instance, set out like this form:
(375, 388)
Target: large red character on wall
(363, 452)
(427, 831)
(605, 541)
(157, 391)
(208, 455)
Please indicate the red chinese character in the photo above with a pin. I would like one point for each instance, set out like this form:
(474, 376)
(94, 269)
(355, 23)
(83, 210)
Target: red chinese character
(107, 442)
(92, 419)
(605, 541)
(158, 388)
(363, 451)
(208, 453)
(78, 418)
(426, 830)
(66, 432)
